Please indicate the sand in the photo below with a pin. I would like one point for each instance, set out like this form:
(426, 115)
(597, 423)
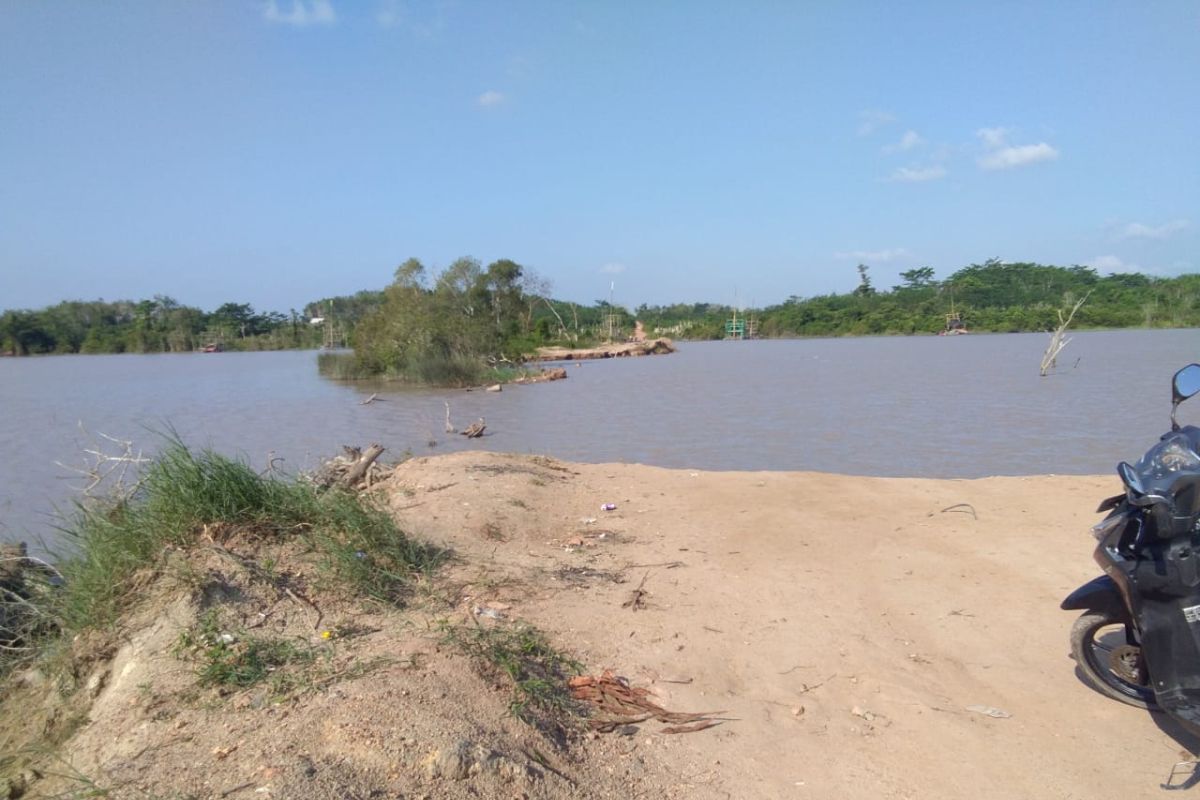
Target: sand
(845, 625)
(849, 633)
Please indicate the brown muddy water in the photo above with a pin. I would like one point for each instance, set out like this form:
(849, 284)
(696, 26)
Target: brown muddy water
(967, 406)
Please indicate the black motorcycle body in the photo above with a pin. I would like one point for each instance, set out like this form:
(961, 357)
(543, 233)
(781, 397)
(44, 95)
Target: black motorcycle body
(1138, 640)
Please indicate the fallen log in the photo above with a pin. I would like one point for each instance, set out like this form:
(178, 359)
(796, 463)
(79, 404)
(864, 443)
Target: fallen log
(354, 469)
(358, 470)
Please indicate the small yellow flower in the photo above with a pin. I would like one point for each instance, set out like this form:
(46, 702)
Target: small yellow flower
(326, 634)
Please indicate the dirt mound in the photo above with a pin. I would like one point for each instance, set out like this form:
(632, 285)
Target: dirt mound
(241, 675)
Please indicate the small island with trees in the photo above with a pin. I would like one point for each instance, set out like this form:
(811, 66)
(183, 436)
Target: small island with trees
(469, 323)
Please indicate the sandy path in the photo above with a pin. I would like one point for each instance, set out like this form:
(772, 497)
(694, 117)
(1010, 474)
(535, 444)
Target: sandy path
(843, 624)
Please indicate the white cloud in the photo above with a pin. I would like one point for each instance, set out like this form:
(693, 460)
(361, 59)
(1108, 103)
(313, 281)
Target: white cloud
(1136, 230)
(871, 121)
(390, 14)
(302, 14)
(908, 141)
(612, 268)
(1009, 157)
(917, 174)
(490, 99)
(993, 137)
(1002, 155)
(878, 256)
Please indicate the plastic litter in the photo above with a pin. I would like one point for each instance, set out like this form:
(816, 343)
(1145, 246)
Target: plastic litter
(608, 507)
(989, 711)
(490, 613)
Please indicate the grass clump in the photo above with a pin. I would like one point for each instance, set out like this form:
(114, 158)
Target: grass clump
(236, 661)
(341, 367)
(537, 671)
(359, 548)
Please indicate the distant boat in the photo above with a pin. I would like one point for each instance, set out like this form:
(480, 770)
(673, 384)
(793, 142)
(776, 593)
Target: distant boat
(954, 326)
(954, 323)
(212, 348)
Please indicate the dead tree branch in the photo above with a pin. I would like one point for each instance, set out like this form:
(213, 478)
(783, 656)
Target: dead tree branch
(106, 464)
(1057, 339)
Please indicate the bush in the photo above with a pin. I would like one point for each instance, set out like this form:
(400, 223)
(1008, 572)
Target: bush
(181, 492)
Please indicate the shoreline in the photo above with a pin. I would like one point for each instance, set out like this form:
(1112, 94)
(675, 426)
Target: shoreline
(648, 347)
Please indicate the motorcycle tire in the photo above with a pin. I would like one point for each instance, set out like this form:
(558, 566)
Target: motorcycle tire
(1092, 656)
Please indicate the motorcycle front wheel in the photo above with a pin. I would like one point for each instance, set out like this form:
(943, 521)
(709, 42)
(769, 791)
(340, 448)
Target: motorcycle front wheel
(1109, 663)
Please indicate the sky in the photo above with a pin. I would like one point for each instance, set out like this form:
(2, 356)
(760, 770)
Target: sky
(282, 151)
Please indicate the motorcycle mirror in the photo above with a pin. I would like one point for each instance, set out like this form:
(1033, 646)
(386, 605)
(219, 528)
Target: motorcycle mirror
(1185, 384)
(1130, 477)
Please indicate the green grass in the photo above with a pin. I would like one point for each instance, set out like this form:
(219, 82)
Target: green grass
(240, 660)
(341, 366)
(359, 549)
(537, 672)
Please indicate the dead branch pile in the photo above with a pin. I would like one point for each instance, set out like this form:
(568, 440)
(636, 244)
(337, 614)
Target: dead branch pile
(619, 704)
(354, 469)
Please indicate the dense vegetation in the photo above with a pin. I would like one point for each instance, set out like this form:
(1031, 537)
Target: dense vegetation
(160, 325)
(450, 327)
(993, 296)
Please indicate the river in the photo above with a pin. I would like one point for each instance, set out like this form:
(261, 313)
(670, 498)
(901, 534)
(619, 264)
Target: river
(966, 406)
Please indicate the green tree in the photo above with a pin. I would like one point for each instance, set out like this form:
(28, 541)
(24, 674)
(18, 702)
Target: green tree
(864, 288)
(918, 278)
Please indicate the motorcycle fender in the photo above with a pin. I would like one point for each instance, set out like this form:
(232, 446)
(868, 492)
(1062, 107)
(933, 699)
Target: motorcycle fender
(1098, 594)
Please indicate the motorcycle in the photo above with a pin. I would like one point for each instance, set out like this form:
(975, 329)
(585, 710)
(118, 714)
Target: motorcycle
(1138, 640)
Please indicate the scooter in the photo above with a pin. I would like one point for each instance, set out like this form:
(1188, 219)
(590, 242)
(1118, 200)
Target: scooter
(1138, 640)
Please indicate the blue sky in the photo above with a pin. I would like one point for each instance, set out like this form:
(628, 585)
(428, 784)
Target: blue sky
(277, 152)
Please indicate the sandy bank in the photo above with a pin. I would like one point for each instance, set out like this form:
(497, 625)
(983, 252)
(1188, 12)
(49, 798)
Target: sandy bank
(619, 350)
(842, 626)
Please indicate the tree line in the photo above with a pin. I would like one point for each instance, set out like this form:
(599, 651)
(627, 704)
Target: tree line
(990, 297)
(158, 325)
(446, 326)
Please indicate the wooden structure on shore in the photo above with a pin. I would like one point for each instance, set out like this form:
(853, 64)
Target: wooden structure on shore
(739, 329)
(333, 336)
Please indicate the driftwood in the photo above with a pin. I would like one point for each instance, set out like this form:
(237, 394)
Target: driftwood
(553, 374)
(618, 704)
(475, 429)
(626, 349)
(354, 469)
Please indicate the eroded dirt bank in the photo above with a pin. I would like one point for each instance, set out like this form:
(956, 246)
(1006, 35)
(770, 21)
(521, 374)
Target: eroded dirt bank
(842, 627)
